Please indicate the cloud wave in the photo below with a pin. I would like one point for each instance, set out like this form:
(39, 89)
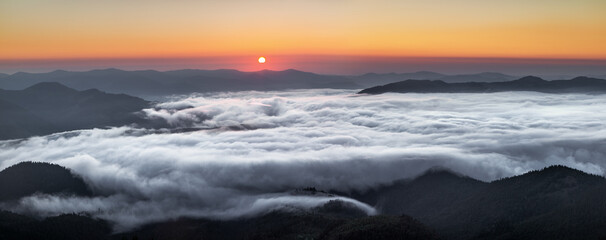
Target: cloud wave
(254, 147)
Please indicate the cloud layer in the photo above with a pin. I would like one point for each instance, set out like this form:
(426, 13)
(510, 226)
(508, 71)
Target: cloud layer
(254, 147)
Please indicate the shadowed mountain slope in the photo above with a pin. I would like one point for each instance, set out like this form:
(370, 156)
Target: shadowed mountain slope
(553, 203)
(459, 207)
(287, 225)
(16, 122)
(46, 108)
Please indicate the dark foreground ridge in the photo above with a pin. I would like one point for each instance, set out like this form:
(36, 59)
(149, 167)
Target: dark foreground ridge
(575, 85)
(47, 108)
(28, 178)
(553, 203)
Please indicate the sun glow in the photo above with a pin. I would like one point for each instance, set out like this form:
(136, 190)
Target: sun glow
(261, 59)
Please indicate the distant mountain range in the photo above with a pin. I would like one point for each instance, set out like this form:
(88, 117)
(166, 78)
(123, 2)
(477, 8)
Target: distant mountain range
(151, 84)
(556, 202)
(530, 83)
(155, 84)
(46, 108)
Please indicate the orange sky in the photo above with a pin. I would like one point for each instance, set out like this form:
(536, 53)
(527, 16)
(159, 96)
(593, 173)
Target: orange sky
(42, 29)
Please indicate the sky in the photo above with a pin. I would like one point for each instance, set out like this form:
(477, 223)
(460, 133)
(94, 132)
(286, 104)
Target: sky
(309, 34)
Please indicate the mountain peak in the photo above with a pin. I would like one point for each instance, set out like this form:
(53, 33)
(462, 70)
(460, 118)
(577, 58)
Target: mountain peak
(49, 87)
(26, 178)
(441, 173)
(559, 169)
(530, 79)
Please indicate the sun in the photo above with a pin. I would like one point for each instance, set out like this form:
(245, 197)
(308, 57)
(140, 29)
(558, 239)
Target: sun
(261, 59)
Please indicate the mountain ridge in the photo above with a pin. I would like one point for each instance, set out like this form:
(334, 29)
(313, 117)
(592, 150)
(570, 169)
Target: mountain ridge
(152, 84)
(27, 178)
(528, 83)
(459, 207)
(46, 108)
(454, 205)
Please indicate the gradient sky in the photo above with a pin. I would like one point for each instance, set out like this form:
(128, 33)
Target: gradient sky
(146, 29)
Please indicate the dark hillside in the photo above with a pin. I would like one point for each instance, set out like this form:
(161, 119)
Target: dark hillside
(27, 178)
(51, 107)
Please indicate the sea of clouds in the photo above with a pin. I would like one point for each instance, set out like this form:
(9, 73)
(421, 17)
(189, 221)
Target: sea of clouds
(230, 155)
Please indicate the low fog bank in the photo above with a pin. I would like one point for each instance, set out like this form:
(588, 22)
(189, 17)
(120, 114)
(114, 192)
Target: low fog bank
(261, 145)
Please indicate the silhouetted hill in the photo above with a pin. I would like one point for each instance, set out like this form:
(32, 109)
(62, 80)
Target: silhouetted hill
(579, 84)
(459, 207)
(425, 197)
(27, 178)
(554, 203)
(49, 87)
(51, 107)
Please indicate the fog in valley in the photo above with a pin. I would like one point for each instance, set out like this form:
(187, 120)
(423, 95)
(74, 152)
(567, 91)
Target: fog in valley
(236, 154)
